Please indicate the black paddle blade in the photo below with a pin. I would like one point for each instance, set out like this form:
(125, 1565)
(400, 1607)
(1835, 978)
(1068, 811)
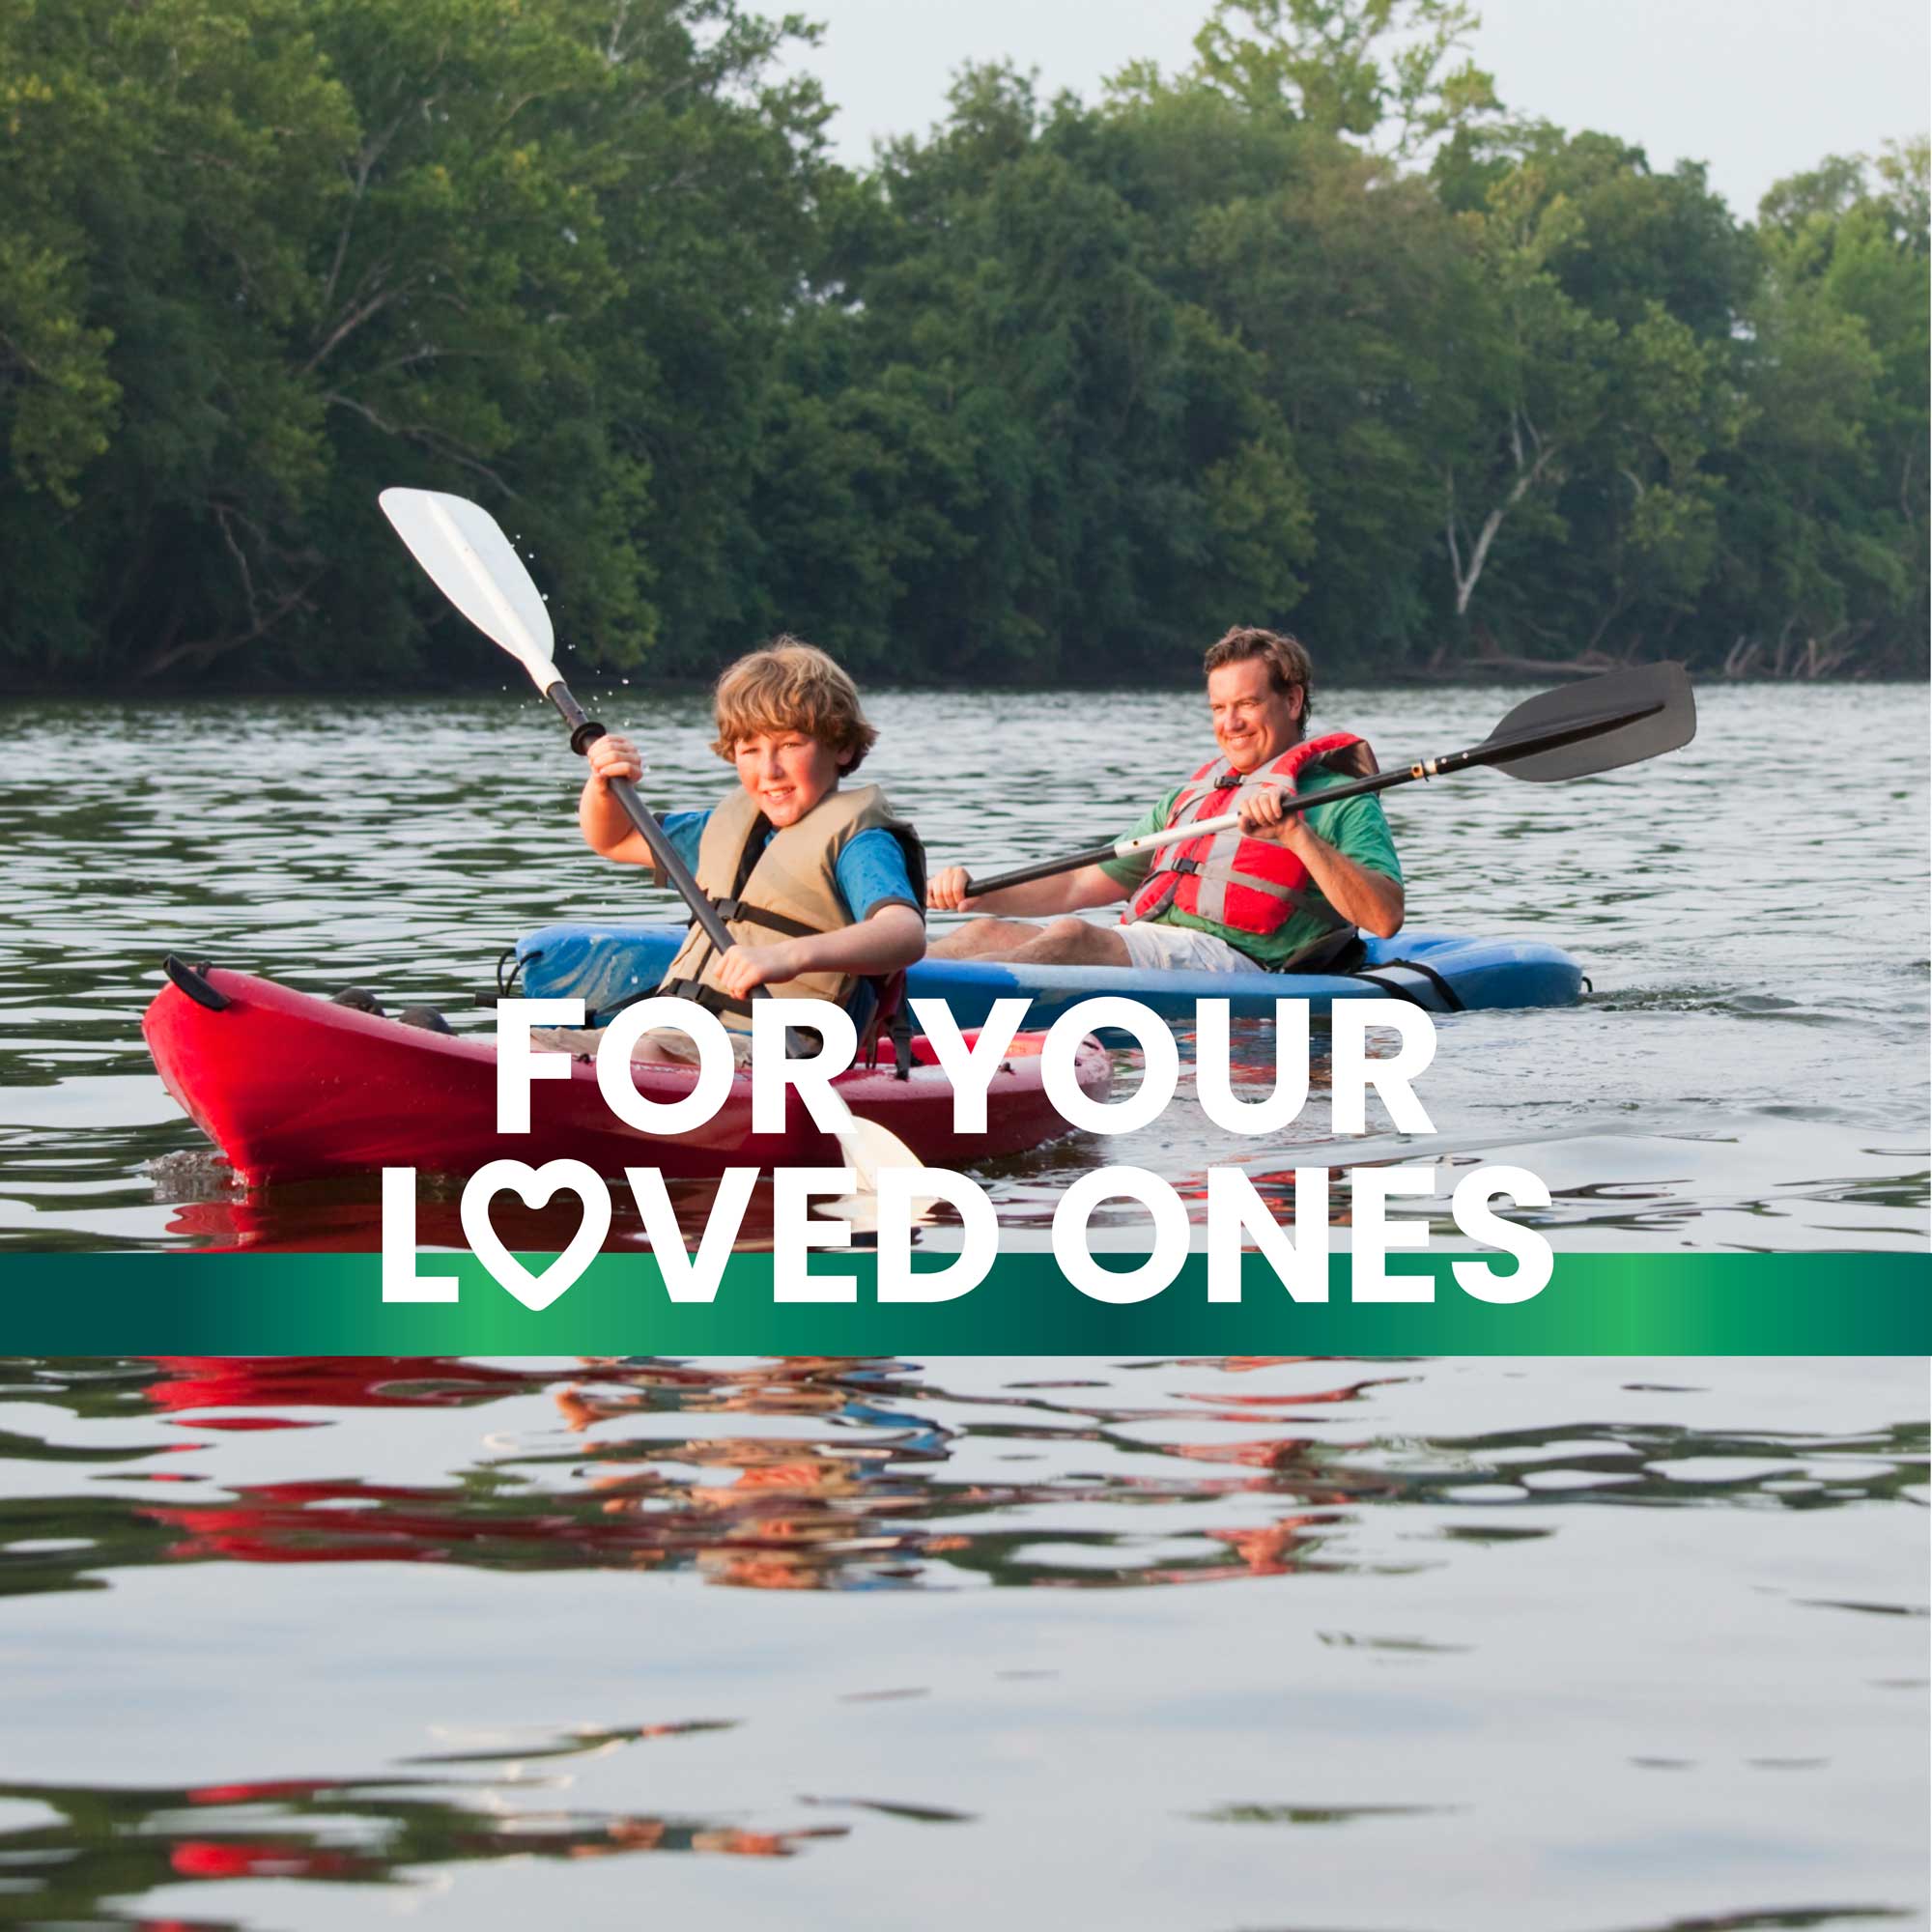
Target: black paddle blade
(1596, 726)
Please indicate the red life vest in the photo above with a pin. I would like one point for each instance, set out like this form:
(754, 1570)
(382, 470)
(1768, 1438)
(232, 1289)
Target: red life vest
(1247, 885)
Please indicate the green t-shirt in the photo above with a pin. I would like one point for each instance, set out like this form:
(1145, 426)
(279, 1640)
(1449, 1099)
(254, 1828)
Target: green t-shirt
(1357, 828)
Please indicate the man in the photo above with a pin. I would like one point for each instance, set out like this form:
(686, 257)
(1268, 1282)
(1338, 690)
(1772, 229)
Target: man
(1289, 889)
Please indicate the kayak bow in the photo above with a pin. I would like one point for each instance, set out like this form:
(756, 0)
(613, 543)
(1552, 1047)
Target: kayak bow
(292, 1086)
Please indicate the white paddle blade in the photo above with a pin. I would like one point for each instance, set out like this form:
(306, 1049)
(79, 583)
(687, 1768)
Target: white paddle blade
(866, 1152)
(476, 567)
(866, 1147)
(862, 1210)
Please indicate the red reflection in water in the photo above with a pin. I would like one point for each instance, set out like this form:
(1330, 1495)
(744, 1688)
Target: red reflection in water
(346, 1217)
(105, 1846)
(865, 1503)
(323, 1382)
(255, 1858)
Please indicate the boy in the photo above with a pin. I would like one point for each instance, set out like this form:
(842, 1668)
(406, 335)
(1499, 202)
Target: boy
(821, 886)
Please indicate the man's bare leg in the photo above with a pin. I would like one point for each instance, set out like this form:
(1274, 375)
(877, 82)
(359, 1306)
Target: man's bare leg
(1074, 942)
(1063, 942)
(985, 938)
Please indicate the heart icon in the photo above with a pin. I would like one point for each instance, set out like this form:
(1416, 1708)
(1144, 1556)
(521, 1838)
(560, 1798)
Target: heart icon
(535, 1186)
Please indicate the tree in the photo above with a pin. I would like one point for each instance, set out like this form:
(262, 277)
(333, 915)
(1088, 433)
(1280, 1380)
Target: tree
(1536, 367)
(1031, 456)
(1600, 355)
(269, 256)
(1825, 525)
(1350, 67)
(174, 152)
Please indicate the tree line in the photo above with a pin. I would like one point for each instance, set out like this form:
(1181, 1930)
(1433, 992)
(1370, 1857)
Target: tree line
(1314, 333)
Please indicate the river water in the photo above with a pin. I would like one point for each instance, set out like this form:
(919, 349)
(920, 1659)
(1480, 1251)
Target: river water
(1750, 1072)
(1612, 1645)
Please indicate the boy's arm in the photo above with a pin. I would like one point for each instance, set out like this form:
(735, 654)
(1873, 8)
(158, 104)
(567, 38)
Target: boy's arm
(602, 820)
(893, 937)
(888, 933)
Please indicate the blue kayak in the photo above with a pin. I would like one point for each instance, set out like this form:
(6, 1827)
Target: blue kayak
(606, 965)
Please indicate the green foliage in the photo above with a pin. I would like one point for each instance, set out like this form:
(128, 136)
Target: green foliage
(1350, 67)
(262, 258)
(1057, 391)
(1825, 544)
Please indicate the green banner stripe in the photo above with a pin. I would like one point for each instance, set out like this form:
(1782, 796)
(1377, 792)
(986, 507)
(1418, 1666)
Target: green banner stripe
(1596, 1304)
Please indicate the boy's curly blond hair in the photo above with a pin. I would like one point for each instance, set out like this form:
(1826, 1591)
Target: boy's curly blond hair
(791, 686)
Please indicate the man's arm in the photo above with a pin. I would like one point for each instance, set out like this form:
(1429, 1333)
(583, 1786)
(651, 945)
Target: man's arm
(1064, 893)
(1361, 895)
(1358, 892)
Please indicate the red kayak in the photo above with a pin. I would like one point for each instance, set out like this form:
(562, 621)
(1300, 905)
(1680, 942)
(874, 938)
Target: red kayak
(291, 1086)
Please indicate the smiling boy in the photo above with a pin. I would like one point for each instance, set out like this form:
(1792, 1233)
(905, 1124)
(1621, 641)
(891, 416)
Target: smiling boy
(821, 885)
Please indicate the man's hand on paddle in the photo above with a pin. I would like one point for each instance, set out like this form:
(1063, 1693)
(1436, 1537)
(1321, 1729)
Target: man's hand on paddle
(1265, 815)
(946, 891)
(1362, 895)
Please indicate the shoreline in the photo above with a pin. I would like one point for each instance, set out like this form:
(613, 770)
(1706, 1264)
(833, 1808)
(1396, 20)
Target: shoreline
(1471, 673)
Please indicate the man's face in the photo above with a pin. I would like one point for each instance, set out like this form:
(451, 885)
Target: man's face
(1253, 722)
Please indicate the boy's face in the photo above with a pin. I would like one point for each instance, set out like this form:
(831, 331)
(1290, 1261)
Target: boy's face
(787, 773)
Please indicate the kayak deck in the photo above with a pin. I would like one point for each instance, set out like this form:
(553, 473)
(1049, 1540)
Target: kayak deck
(606, 965)
(293, 1087)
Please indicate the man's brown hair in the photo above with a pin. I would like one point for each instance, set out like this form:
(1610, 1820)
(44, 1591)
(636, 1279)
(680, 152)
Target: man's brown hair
(791, 686)
(1285, 655)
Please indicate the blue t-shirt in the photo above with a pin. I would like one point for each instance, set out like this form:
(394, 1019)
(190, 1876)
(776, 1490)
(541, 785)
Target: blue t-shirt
(871, 872)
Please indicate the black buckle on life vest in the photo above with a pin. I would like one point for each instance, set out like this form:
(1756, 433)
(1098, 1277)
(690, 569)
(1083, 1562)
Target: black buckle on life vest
(1185, 865)
(736, 911)
(699, 994)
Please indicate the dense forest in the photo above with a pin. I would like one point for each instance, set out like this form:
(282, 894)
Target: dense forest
(1317, 332)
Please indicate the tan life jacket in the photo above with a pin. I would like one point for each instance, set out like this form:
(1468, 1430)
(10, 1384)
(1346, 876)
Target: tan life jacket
(787, 891)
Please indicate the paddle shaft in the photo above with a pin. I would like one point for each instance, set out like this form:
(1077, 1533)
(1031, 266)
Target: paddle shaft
(1494, 751)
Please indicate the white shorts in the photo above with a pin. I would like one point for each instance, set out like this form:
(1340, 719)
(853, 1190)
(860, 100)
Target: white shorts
(1155, 946)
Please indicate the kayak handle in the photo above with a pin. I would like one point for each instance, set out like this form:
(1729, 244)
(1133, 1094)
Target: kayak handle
(190, 982)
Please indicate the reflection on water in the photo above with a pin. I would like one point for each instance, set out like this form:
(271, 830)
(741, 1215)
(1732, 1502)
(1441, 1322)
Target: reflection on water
(864, 1490)
(1466, 1589)
(101, 1845)
(1751, 1071)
